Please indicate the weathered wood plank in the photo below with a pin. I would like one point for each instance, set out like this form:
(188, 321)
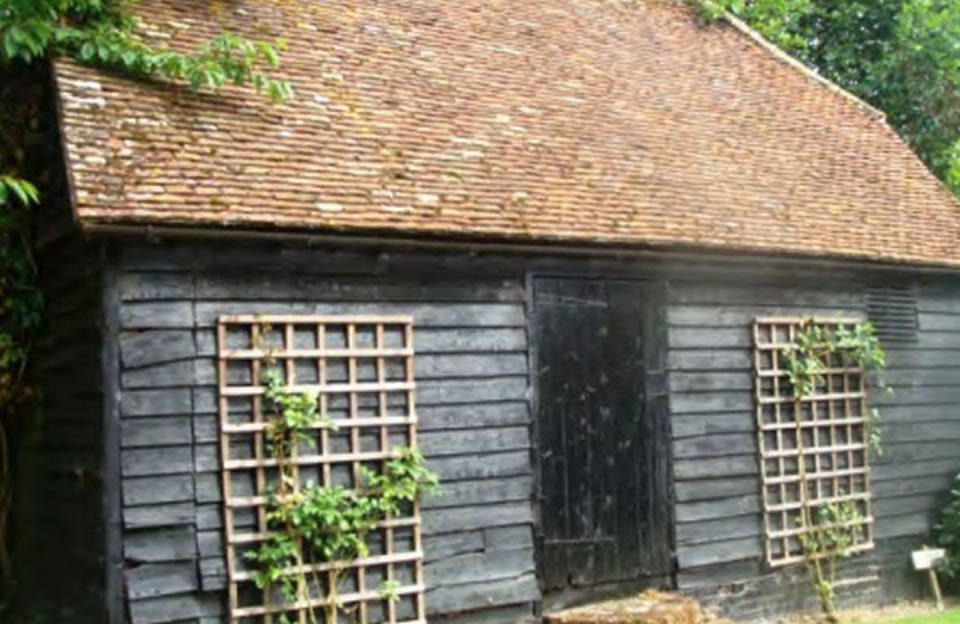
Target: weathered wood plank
(932, 483)
(213, 574)
(175, 608)
(476, 567)
(902, 452)
(937, 340)
(154, 286)
(481, 466)
(295, 286)
(468, 518)
(510, 614)
(152, 490)
(921, 432)
(459, 493)
(483, 594)
(450, 544)
(916, 524)
(709, 338)
(735, 527)
(208, 488)
(779, 294)
(471, 391)
(161, 579)
(156, 461)
(162, 431)
(206, 458)
(919, 503)
(210, 543)
(714, 576)
(709, 359)
(163, 515)
(710, 381)
(923, 358)
(938, 299)
(469, 340)
(938, 321)
(167, 375)
(429, 340)
(714, 467)
(691, 425)
(893, 471)
(430, 393)
(440, 443)
(717, 508)
(922, 377)
(155, 347)
(705, 489)
(693, 555)
(425, 315)
(509, 537)
(155, 402)
(715, 446)
(209, 516)
(743, 315)
(470, 416)
(157, 315)
(472, 365)
(205, 429)
(157, 545)
(711, 402)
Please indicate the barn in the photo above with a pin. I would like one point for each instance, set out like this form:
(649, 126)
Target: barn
(573, 227)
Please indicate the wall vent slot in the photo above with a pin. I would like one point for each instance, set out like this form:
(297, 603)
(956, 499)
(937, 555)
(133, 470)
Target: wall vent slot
(893, 312)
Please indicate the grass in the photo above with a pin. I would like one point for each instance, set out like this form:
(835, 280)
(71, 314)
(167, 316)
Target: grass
(950, 616)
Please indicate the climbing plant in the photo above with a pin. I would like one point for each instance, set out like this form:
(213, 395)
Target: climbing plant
(831, 531)
(316, 524)
(807, 363)
(99, 32)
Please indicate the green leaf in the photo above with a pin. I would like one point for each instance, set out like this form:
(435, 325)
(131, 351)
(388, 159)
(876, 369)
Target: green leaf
(87, 51)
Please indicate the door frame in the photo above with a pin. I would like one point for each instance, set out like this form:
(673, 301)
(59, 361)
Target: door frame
(657, 389)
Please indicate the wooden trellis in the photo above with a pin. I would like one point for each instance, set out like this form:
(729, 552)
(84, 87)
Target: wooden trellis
(362, 370)
(814, 450)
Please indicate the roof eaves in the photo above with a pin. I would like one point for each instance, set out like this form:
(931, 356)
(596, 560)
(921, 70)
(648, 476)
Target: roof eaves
(807, 71)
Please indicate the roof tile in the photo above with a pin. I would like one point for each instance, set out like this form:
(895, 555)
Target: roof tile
(551, 120)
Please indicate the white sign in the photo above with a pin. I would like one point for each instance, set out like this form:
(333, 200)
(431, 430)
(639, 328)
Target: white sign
(924, 559)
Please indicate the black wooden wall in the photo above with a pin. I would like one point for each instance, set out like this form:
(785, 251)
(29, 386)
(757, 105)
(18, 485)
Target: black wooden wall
(60, 518)
(146, 317)
(471, 370)
(719, 544)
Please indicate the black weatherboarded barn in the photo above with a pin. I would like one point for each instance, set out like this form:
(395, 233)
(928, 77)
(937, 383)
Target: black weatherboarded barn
(586, 263)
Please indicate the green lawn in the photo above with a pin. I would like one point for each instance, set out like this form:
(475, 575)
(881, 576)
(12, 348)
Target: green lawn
(950, 616)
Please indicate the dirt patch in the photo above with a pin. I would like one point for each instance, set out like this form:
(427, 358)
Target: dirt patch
(655, 607)
(650, 607)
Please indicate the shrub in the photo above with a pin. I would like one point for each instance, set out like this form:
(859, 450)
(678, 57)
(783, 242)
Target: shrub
(947, 532)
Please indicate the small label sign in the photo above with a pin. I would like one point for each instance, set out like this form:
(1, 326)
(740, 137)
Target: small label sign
(924, 559)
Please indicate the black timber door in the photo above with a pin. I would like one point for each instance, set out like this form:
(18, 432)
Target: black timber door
(603, 448)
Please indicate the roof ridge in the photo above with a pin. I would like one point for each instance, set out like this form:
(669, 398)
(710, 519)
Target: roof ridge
(764, 43)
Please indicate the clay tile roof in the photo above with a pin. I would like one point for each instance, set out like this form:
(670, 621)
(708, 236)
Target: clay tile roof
(550, 120)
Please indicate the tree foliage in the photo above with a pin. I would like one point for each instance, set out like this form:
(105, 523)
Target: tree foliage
(947, 532)
(901, 56)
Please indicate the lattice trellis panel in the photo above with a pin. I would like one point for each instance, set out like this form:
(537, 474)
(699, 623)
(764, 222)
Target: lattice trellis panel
(362, 368)
(814, 450)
